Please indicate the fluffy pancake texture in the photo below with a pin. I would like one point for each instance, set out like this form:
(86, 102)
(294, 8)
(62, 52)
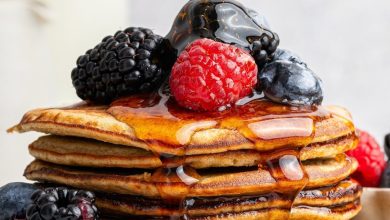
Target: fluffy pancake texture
(211, 183)
(75, 151)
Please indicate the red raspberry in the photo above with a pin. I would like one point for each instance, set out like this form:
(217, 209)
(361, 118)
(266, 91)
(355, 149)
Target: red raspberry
(209, 75)
(371, 160)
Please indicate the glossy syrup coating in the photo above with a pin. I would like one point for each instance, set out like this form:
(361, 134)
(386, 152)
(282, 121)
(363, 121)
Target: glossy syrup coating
(162, 124)
(288, 80)
(227, 21)
(158, 120)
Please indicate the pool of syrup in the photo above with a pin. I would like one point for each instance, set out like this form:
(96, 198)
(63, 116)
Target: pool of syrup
(162, 124)
(166, 127)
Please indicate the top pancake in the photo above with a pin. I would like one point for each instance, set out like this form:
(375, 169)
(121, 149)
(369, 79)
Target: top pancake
(96, 123)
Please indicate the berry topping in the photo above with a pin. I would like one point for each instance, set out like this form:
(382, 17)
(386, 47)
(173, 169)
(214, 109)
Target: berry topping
(386, 174)
(371, 160)
(263, 48)
(14, 198)
(225, 21)
(210, 75)
(120, 65)
(62, 203)
(387, 145)
(288, 80)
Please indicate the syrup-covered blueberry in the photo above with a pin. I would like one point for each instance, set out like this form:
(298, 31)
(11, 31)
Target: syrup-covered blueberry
(282, 54)
(387, 145)
(288, 80)
(385, 181)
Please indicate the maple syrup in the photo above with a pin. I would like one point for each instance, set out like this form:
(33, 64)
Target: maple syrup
(286, 167)
(280, 131)
(168, 128)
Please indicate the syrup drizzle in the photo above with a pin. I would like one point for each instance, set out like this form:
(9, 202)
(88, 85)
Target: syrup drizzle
(279, 131)
(167, 129)
(287, 167)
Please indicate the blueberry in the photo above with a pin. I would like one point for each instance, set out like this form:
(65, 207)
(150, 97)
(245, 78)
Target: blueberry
(387, 145)
(288, 80)
(385, 181)
(14, 199)
(282, 54)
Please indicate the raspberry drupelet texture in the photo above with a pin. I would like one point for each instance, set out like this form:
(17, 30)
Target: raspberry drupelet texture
(210, 75)
(371, 161)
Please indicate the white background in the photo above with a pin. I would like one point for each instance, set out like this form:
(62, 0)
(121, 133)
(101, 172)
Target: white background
(346, 42)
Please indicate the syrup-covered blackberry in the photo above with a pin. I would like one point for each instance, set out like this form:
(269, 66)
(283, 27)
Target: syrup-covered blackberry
(227, 21)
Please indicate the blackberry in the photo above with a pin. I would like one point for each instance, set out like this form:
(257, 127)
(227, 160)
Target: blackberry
(14, 198)
(62, 204)
(120, 65)
(387, 145)
(263, 48)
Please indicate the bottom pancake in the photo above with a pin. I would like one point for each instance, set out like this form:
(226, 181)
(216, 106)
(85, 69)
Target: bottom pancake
(343, 212)
(329, 198)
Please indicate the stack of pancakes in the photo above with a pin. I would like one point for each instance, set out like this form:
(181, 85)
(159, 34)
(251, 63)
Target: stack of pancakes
(221, 175)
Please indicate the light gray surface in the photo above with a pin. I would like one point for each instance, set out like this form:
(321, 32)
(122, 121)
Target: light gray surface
(346, 42)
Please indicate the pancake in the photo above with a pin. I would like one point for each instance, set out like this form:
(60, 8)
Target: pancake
(342, 212)
(347, 211)
(209, 182)
(144, 156)
(333, 197)
(96, 123)
(73, 151)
